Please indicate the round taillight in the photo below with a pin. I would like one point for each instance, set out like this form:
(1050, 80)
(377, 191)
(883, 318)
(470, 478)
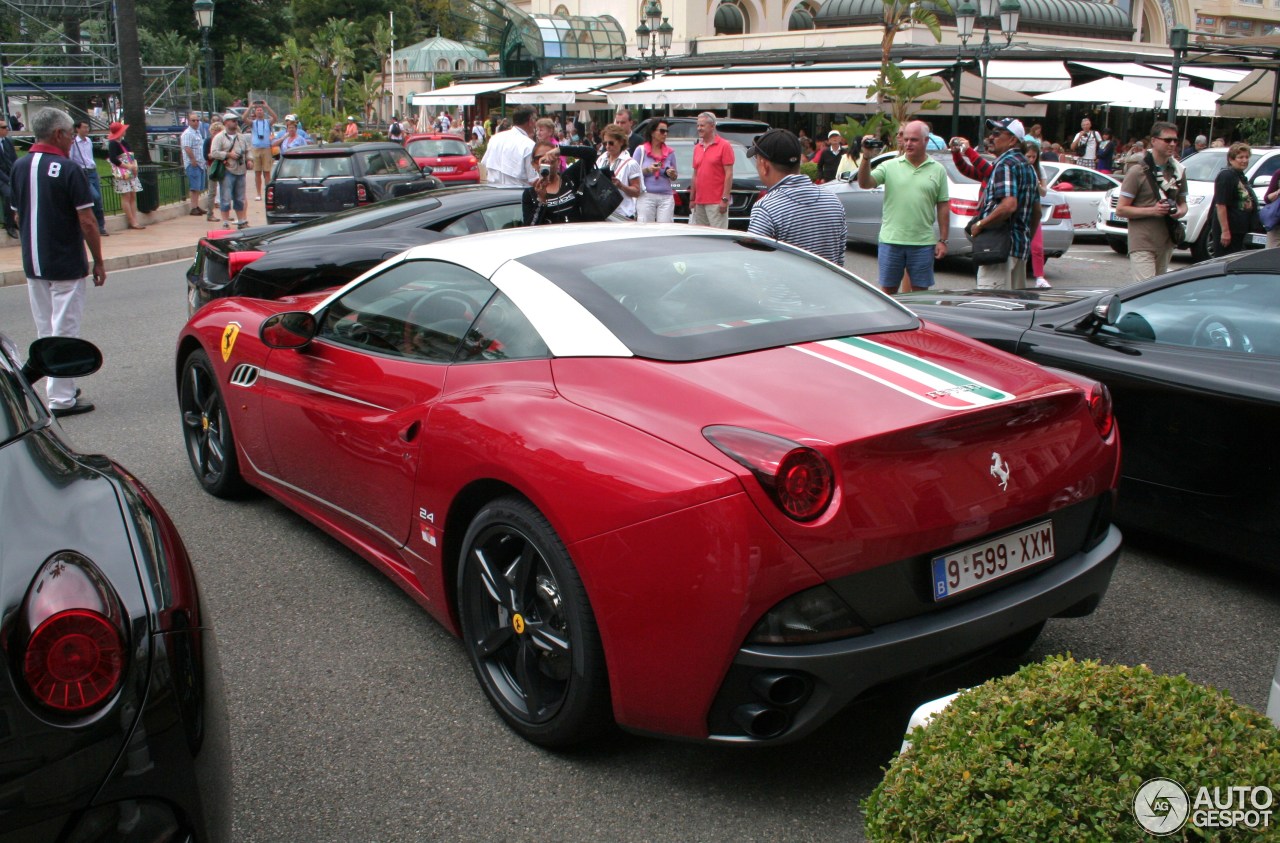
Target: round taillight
(803, 484)
(74, 661)
(1101, 409)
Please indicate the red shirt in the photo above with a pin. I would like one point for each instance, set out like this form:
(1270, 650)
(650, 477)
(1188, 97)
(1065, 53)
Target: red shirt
(709, 161)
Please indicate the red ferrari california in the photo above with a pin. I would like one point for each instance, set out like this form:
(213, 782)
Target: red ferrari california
(688, 481)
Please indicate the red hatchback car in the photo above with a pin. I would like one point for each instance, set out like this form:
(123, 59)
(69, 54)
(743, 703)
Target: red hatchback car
(689, 481)
(448, 156)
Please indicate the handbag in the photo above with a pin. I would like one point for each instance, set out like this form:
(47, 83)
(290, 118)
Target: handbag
(598, 196)
(1270, 215)
(123, 171)
(992, 244)
(217, 170)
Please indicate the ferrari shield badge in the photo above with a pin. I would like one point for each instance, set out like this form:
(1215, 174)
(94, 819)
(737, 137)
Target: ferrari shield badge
(229, 339)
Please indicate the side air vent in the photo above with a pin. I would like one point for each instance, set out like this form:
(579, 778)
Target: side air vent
(245, 375)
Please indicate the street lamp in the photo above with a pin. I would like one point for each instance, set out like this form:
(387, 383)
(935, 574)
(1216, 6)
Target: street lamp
(654, 33)
(1007, 12)
(204, 20)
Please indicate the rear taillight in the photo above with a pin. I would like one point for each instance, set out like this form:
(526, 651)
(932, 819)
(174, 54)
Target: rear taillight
(237, 261)
(362, 195)
(964, 207)
(798, 478)
(1062, 212)
(219, 233)
(1101, 410)
(271, 197)
(472, 163)
(75, 649)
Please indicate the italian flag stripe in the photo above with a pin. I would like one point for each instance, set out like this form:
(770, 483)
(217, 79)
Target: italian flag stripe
(906, 373)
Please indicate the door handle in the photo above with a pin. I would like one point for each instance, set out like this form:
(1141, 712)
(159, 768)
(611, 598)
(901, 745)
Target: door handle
(410, 433)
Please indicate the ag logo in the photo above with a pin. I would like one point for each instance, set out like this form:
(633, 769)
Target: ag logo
(1161, 806)
(517, 623)
(229, 339)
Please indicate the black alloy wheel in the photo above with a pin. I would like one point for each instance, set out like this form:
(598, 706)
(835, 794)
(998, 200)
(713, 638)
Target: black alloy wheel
(528, 627)
(207, 431)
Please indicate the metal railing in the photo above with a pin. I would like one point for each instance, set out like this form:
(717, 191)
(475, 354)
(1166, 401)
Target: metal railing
(162, 184)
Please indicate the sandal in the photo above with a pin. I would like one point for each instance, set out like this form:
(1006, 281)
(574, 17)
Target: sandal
(138, 227)
(242, 224)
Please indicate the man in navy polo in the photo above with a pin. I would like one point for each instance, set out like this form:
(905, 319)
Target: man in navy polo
(54, 205)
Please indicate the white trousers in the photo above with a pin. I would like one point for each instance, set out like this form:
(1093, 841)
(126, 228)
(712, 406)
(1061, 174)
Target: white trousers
(57, 307)
(656, 207)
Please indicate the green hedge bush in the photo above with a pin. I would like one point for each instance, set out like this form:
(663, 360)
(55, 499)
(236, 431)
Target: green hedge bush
(1057, 752)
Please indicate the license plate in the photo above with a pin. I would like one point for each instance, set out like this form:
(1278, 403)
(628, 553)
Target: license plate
(1257, 239)
(1114, 218)
(991, 560)
(443, 169)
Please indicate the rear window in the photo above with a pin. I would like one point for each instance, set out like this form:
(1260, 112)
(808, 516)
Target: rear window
(691, 298)
(427, 148)
(743, 167)
(313, 167)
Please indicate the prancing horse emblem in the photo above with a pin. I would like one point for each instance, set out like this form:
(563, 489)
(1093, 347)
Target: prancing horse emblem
(1000, 470)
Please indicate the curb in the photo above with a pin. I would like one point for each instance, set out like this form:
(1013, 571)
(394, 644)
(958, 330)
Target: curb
(13, 277)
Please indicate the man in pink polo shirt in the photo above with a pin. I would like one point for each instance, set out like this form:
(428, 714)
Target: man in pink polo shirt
(712, 176)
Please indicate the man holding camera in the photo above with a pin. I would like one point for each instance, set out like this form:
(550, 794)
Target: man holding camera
(1153, 196)
(916, 196)
(260, 134)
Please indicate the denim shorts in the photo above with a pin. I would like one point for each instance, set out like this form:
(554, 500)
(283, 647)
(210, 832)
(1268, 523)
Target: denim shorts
(917, 260)
(197, 177)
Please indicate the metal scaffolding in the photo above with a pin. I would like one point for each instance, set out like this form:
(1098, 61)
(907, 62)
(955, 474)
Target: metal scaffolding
(65, 53)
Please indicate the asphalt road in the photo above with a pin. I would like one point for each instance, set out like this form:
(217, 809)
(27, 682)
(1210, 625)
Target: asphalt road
(356, 717)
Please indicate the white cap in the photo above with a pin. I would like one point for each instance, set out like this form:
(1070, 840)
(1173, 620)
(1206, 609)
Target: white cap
(1012, 125)
(835, 134)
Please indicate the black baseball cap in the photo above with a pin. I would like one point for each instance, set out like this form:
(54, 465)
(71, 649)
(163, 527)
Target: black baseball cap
(778, 146)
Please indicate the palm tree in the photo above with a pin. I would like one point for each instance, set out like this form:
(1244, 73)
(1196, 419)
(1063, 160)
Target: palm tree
(368, 90)
(900, 14)
(132, 86)
(338, 35)
(290, 56)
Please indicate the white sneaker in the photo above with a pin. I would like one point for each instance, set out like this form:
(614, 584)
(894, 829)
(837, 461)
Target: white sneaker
(1043, 284)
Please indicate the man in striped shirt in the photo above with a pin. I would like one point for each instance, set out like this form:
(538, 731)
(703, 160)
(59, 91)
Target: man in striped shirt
(794, 209)
(54, 204)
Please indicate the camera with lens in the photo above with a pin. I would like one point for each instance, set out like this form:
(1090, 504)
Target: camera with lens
(544, 171)
(873, 143)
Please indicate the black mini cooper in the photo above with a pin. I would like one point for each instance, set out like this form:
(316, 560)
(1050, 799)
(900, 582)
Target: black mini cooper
(312, 181)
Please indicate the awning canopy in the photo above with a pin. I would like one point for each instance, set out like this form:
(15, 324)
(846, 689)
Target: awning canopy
(789, 86)
(464, 93)
(1124, 68)
(1192, 102)
(1030, 77)
(564, 90)
(1250, 97)
(1105, 90)
(1209, 74)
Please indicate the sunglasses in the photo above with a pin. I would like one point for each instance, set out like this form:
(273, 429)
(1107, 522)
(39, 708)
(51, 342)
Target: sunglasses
(612, 143)
(661, 131)
(1168, 140)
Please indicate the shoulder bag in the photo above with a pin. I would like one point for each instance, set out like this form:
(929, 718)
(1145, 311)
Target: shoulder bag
(217, 170)
(992, 244)
(598, 197)
(1271, 215)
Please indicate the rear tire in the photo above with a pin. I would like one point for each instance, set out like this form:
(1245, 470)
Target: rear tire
(1119, 245)
(1202, 246)
(528, 628)
(206, 430)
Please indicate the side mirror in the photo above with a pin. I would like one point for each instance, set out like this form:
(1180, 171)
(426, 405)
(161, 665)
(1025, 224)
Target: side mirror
(61, 357)
(847, 176)
(293, 329)
(426, 171)
(1262, 181)
(1107, 311)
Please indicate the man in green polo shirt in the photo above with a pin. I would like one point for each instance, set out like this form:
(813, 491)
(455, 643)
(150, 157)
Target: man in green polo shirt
(916, 195)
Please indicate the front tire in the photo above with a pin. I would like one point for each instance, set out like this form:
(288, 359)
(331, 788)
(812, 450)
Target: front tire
(1202, 247)
(206, 430)
(528, 627)
(1119, 245)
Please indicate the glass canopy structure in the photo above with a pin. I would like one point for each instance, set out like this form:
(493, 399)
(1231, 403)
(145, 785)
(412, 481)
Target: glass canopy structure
(525, 44)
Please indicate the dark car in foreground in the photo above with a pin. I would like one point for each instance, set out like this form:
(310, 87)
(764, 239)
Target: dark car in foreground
(273, 261)
(747, 186)
(113, 724)
(1192, 359)
(695, 482)
(313, 181)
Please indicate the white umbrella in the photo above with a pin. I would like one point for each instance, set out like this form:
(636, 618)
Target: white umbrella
(1105, 90)
(1191, 101)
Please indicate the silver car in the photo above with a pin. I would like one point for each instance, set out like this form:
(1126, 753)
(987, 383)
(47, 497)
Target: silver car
(864, 209)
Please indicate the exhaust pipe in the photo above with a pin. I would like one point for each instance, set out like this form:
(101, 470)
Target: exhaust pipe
(784, 689)
(761, 721)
